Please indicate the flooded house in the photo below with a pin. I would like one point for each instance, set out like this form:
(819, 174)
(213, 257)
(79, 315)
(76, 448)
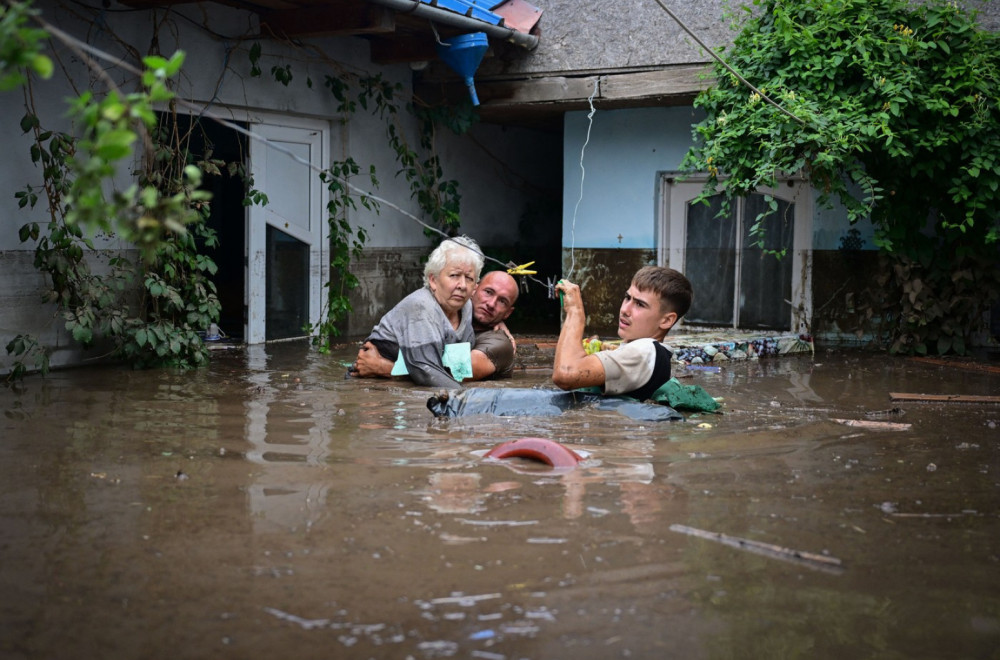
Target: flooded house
(267, 506)
(550, 134)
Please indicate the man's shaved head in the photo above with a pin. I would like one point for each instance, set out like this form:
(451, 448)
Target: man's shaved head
(494, 298)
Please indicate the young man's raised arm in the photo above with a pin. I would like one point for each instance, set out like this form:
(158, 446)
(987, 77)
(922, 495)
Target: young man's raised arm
(573, 368)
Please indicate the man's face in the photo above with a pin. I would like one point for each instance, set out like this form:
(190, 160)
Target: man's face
(641, 316)
(494, 298)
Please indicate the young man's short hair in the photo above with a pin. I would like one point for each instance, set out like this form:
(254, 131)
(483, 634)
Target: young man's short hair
(673, 289)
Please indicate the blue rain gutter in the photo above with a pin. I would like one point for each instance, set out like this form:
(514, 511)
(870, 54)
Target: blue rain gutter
(445, 17)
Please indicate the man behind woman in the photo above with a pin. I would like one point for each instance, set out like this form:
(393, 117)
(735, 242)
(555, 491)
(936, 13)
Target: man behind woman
(434, 316)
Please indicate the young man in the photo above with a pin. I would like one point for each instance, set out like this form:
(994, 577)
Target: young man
(494, 347)
(657, 298)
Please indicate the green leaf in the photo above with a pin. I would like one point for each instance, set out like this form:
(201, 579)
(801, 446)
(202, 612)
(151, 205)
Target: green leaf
(175, 63)
(154, 62)
(82, 334)
(115, 145)
(42, 65)
(29, 122)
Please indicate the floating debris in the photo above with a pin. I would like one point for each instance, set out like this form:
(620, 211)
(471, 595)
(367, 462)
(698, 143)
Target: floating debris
(945, 398)
(822, 562)
(877, 426)
(498, 523)
(885, 413)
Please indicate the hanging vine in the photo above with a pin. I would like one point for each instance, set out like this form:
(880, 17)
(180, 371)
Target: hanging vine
(151, 311)
(437, 197)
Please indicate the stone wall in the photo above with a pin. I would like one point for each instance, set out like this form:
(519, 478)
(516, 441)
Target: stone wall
(604, 275)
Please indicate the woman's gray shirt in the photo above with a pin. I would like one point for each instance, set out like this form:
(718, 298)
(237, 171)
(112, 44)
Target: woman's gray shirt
(418, 328)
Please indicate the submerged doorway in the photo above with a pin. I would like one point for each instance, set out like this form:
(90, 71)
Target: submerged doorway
(207, 139)
(270, 258)
(285, 250)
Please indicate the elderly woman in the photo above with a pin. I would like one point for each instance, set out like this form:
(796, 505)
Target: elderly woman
(430, 318)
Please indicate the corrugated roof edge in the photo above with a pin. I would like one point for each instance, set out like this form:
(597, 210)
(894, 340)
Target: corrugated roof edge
(467, 8)
(435, 12)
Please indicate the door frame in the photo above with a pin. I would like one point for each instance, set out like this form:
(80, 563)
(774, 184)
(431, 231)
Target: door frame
(317, 134)
(671, 233)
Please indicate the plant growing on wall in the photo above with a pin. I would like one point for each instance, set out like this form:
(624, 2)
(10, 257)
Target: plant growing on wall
(346, 243)
(436, 196)
(897, 100)
(163, 213)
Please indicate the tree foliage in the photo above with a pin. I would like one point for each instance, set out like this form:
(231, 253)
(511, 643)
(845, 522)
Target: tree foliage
(147, 313)
(20, 46)
(894, 99)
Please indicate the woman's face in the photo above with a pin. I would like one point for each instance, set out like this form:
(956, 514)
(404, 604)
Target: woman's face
(453, 286)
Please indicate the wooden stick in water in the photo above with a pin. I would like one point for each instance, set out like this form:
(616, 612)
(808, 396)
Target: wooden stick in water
(822, 562)
(867, 424)
(958, 398)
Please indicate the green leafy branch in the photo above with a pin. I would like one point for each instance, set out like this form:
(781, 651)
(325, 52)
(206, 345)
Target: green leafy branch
(162, 214)
(21, 46)
(892, 98)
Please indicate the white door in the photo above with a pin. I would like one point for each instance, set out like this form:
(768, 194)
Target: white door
(285, 237)
(736, 283)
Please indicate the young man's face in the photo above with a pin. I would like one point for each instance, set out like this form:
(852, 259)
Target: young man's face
(641, 316)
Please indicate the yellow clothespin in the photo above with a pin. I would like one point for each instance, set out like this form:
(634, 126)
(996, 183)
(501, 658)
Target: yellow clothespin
(520, 270)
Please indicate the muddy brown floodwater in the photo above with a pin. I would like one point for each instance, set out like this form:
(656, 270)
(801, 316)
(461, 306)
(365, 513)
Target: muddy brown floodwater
(266, 507)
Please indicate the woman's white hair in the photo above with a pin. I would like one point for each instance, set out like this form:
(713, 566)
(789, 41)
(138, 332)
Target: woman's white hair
(460, 250)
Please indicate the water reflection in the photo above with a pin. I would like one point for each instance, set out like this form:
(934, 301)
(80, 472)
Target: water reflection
(455, 492)
(280, 433)
(465, 492)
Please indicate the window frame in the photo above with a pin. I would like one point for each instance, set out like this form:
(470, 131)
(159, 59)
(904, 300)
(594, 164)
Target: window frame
(671, 236)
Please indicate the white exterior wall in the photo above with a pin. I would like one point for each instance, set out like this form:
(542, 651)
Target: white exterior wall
(217, 74)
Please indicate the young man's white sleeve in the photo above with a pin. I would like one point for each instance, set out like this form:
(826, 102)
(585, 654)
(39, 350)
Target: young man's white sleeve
(628, 367)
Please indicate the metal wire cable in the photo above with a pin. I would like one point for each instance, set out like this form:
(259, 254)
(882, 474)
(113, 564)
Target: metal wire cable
(205, 111)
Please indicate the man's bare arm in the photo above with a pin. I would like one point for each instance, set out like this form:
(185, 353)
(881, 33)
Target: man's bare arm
(572, 367)
(502, 327)
(482, 366)
(370, 363)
